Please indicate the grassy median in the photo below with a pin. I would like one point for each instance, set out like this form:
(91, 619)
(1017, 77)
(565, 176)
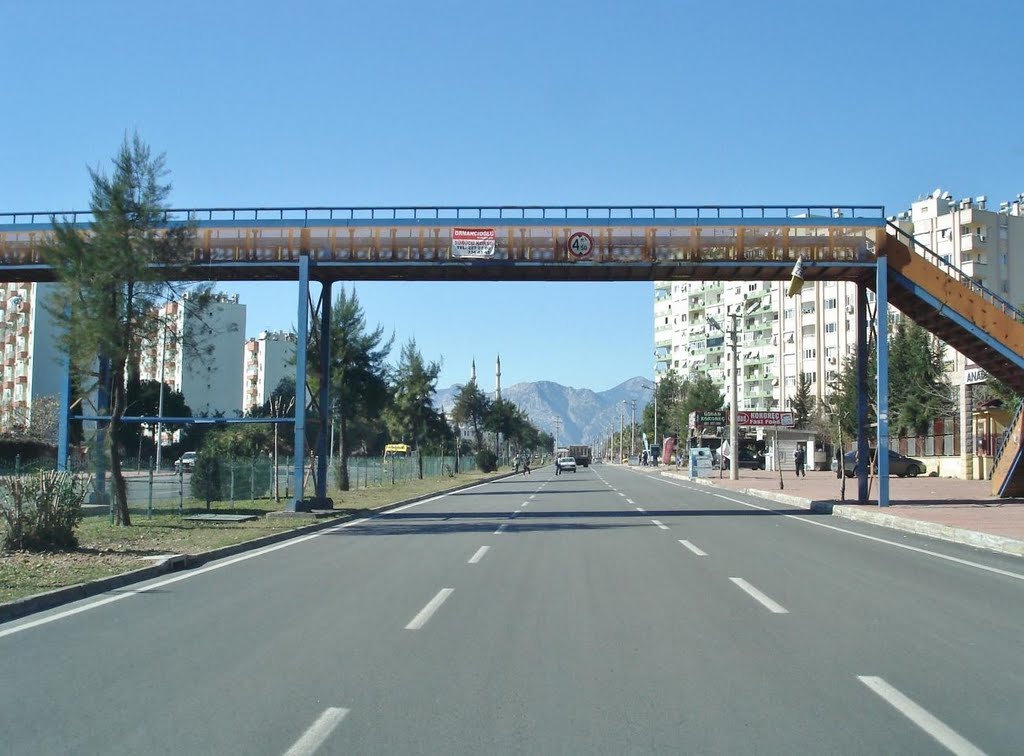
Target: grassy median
(106, 549)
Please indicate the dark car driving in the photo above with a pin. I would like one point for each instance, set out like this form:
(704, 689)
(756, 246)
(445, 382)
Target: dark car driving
(899, 465)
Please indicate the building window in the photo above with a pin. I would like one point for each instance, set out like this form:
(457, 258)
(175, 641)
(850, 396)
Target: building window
(830, 304)
(830, 328)
(810, 354)
(810, 376)
(807, 308)
(789, 313)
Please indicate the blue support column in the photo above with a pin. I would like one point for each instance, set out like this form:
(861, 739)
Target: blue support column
(322, 450)
(882, 352)
(64, 419)
(298, 503)
(862, 393)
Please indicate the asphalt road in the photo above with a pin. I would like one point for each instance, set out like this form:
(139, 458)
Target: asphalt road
(602, 612)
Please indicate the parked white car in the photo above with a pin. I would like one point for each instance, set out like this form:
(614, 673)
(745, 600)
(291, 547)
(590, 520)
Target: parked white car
(185, 462)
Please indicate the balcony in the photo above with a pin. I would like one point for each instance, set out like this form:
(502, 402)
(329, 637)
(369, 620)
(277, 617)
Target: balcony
(974, 266)
(974, 242)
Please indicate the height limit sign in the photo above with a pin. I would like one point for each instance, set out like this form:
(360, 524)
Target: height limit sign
(580, 245)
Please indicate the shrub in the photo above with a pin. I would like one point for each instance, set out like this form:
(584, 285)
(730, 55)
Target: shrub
(206, 480)
(486, 460)
(42, 511)
(212, 478)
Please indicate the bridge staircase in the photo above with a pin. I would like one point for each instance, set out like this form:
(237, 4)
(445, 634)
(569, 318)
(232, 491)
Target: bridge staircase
(972, 320)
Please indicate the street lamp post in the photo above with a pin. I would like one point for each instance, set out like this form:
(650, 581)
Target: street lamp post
(657, 440)
(276, 410)
(160, 401)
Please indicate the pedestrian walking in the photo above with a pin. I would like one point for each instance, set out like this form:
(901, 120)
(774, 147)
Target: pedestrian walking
(526, 464)
(798, 459)
(558, 467)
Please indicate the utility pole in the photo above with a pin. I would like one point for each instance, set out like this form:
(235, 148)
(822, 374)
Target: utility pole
(734, 431)
(632, 431)
(657, 439)
(621, 431)
(558, 429)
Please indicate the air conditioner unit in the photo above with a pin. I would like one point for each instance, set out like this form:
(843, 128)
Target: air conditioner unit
(849, 309)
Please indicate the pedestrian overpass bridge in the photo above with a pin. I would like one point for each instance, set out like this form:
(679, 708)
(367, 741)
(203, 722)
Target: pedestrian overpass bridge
(586, 243)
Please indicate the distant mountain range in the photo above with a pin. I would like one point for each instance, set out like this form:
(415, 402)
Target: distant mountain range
(585, 415)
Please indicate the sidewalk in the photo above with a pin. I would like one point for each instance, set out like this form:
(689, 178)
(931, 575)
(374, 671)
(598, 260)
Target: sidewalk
(962, 511)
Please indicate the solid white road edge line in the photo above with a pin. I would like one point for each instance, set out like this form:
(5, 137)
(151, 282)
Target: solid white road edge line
(317, 733)
(428, 611)
(945, 736)
(660, 524)
(876, 539)
(478, 555)
(759, 597)
(211, 567)
(692, 548)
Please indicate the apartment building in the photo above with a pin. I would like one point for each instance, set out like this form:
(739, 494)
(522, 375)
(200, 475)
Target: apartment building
(988, 246)
(269, 358)
(32, 365)
(781, 338)
(205, 364)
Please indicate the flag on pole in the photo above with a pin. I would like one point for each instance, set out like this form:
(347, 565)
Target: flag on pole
(797, 280)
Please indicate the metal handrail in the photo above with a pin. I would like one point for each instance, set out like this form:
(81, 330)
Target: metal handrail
(955, 272)
(480, 212)
(1001, 446)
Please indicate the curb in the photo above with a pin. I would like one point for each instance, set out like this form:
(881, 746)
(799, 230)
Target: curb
(812, 505)
(57, 597)
(979, 540)
(986, 541)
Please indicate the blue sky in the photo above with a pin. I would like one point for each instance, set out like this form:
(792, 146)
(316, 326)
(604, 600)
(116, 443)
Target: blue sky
(383, 103)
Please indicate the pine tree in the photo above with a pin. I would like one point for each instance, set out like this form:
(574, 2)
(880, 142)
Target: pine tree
(803, 403)
(919, 390)
(412, 414)
(358, 376)
(472, 408)
(113, 278)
